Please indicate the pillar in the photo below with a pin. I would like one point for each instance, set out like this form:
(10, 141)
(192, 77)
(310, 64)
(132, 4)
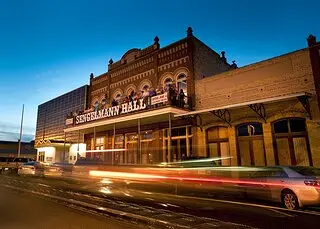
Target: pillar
(313, 129)
(233, 145)
(268, 144)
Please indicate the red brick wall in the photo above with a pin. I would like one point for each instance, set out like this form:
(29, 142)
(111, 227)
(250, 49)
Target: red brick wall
(287, 74)
(206, 62)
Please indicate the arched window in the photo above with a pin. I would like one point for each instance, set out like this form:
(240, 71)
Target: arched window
(145, 87)
(129, 91)
(182, 83)
(168, 81)
(218, 144)
(291, 142)
(118, 97)
(250, 144)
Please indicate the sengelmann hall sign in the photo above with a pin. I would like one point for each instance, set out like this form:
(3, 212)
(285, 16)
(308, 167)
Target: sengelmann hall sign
(111, 111)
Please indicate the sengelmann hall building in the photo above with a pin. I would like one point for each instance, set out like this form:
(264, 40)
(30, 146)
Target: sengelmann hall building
(182, 100)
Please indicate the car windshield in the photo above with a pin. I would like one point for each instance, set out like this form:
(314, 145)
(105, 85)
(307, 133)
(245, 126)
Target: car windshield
(306, 171)
(30, 163)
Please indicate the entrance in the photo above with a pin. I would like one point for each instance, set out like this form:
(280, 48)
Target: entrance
(179, 149)
(250, 145)
(132, 152)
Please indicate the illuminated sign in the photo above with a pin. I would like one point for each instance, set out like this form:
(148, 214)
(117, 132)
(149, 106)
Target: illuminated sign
(111, 111)
(69, 121)
(159, 99)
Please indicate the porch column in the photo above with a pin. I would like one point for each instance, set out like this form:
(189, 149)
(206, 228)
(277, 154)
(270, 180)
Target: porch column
(139, 156)
(78, 147)
(268, 143)
(169, 139)
(94, 142)
(187, 141)
(233, 145)
(64, 147)
(113, 143)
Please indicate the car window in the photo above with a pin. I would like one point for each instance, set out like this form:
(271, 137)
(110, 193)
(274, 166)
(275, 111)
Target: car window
(306, 171)
(20, 159)
(10, 159)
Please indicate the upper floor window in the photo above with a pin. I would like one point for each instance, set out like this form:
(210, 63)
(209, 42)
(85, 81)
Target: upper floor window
(118, 97)
(168, 81)
(182, 83)
(145, 87)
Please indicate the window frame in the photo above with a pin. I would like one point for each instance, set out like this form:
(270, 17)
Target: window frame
(250, 138)
(290, 136)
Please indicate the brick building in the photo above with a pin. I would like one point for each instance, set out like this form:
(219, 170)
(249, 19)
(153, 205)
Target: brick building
(266, 113)
(152, 134)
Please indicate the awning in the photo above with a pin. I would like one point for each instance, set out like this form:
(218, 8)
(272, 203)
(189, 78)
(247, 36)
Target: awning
(160, 114)
(50, 142)
(237, 105)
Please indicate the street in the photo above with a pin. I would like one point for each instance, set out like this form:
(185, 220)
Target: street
(133, 206)
(22, 210)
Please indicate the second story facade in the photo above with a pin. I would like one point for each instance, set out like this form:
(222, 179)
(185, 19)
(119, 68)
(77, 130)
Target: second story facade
(141, 72)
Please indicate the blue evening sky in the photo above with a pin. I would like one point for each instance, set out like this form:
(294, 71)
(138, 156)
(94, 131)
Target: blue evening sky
(49, 47)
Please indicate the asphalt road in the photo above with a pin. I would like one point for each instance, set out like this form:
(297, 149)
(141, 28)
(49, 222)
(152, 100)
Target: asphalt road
(20, 210)
(187, 212)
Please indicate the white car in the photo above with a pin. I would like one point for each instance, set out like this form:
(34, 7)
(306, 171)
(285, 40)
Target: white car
(31, 168)
(293, 186)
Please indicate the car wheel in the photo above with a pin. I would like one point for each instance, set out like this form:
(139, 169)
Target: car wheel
(290, 200)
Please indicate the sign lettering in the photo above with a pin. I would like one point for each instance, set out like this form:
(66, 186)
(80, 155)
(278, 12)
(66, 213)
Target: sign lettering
(109, 112)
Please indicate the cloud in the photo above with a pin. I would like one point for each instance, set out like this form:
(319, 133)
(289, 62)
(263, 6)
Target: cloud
(11, 127)
(14, 136)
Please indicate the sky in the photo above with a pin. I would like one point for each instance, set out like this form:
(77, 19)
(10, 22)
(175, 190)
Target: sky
(50, 47)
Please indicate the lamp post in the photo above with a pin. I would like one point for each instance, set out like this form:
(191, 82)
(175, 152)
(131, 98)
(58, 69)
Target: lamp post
(19, 145)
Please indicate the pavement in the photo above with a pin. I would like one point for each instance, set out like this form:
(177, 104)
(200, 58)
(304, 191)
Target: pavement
(20, 210)
(164, 210)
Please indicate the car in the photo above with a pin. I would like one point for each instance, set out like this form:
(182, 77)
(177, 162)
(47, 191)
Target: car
(292, 186)
(11, 164)
(58, 169)
(31, 168)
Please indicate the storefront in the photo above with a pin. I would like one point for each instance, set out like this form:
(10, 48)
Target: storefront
(134, 133)
(155, 105)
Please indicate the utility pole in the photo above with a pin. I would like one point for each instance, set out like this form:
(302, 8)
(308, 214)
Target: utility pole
(19, 146)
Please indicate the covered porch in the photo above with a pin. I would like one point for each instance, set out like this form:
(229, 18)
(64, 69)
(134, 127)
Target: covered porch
(138, 138)
(270, 131)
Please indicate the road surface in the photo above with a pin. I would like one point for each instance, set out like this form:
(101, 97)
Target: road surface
(20, 210)
(172, 210)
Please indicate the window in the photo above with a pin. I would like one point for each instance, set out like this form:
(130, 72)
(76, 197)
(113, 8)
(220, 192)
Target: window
(250, 129)
(182, 83)
(129, 91)
(146, 135)
(306, 171)
(118, 97)
(291, 142)
(132, 137)
(281, 127)
(145, 88)
(178, 132)
(100, 141)
(250, 145)
(168, 81)
(41, 156)
(218, 144)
